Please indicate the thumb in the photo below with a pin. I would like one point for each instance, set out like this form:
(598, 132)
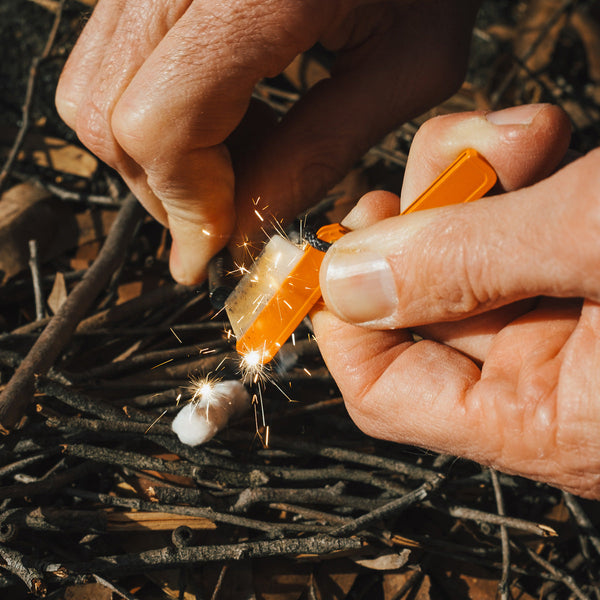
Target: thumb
(454, 262)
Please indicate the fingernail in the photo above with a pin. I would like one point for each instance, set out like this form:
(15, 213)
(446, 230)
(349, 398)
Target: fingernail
(515, 115)
(359, 287)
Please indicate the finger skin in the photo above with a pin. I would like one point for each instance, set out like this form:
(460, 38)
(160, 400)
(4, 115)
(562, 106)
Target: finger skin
(521, 155)
(155, 87)
(526, 146)
(456, 262)
(414, 57)
(515, 387)
(532, 411)
(472, 336)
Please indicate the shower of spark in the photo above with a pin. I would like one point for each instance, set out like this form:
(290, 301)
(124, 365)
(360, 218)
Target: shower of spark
(203, 388)
(252, 368)
(254, 374)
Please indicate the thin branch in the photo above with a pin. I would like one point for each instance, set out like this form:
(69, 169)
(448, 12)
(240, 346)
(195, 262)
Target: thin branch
(34, 267)
(16, 396)
(503, 585)
(219, 583)
(394, 507)
(154, 359)
(582, 520)
(71, 196)
(251, 496)
(51, 483)
(78, 400)
(462, 512)
(178, 557)
(16, 563)
(272, 528)
(341, 454)
(563, 577)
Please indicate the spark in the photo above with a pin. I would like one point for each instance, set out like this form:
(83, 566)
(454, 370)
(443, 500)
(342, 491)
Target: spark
(259, 216)
(176, 336)
(307, 372)
(206, 232)
(252, 367)
(221, 363)
(164, 412)
(162, 363)
(293, 339)
(203, 388)
(241, 269)
(254, 371)
(278, 227)
(254, 404)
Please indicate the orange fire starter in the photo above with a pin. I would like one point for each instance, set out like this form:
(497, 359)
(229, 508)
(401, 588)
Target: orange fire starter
(283, 285)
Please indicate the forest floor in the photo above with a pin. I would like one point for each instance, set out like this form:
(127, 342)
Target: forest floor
(291, 502)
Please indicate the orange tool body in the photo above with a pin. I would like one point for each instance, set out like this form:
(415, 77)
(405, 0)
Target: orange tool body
(468, 178)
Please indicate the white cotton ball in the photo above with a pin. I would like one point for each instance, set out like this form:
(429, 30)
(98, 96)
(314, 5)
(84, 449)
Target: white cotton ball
(191, 426)
(212, 407)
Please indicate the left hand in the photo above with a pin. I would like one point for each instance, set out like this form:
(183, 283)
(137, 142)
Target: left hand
(160, 90)
(509, 371)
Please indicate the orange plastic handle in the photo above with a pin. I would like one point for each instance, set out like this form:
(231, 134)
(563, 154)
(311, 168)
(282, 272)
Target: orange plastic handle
(290, 304)
(468, 178)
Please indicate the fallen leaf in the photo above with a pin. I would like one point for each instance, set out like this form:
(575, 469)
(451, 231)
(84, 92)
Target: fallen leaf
(393, 583)
(58, 155)
(58, 294)
(88, 591)
(386, 561)
(278, 579)
(155, 521)
(335, 578)
(28, 212)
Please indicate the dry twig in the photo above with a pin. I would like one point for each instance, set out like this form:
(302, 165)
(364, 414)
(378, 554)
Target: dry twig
(17, 394)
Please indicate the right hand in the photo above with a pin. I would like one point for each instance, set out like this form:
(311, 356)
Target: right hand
(505, 293)
(155, 88)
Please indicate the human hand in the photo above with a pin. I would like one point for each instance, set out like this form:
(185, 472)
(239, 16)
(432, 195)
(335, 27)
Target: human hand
(505, 292)
(156, 88)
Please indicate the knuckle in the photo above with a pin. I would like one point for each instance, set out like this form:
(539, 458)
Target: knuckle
(132, 130)
(66, 102)
(94, 132)
(461, 284)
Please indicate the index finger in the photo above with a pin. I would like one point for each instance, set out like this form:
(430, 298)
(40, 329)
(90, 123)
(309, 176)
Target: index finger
(496, 136)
